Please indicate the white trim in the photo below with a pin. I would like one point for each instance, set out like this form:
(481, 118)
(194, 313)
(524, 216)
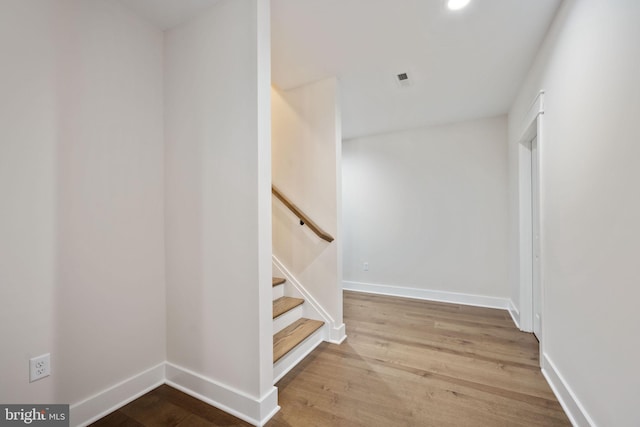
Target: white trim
(535, 109)
(285, 319)
(235, 402)
(338, 334)
(428, 294)
(531, 127)
(277, 291)
(567, 398)
(515, 313)
(330, 323)
(252, 410)
(105, 402)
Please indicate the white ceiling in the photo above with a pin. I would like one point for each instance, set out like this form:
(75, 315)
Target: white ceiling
(166, 14)
(463, 65)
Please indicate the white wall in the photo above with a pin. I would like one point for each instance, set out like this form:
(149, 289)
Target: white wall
(81, 184)
(218, 203)
(28, 146)
(306, 167)
(427, 208)
(589, 67)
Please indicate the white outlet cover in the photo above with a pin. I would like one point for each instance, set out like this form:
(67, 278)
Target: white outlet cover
(39, 367)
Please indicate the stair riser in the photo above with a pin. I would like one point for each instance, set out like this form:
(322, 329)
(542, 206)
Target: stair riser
(284, 320)
(278, 292)
(291, 359)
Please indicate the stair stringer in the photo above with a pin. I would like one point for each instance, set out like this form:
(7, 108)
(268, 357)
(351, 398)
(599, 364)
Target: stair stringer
(311, 310)
(333, 333)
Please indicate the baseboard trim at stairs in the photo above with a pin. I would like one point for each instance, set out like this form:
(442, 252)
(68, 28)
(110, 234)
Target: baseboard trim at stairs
(103, 403)
(334, 333)
(254, 411)
(568, 400)
(515, 314)
(338, 334)
(427, 294)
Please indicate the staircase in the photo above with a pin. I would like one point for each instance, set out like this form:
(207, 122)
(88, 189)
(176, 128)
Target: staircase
(294, 335)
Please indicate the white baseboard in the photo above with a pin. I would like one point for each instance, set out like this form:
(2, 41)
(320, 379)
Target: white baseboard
(338, 334)
(103, 403)
(515, 313)
(247, 408)
(570, 403)
(241, 405)
(427, 294)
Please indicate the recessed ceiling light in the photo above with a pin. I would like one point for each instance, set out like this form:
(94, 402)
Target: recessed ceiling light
(457, 4)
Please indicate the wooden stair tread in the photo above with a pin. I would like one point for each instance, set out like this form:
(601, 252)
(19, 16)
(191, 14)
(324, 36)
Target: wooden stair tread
(284, 304)
(278, 281)
(285, 340)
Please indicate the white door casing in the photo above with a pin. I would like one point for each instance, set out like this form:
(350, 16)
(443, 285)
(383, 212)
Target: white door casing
(531, 129)
(536, 296)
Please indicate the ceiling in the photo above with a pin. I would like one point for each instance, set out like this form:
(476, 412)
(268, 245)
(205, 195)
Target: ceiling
(166, 14)
(462, 65)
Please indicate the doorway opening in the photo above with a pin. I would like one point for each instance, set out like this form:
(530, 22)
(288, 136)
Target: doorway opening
(531, 290)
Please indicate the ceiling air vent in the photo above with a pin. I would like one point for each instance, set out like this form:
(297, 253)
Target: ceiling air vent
(403, 80)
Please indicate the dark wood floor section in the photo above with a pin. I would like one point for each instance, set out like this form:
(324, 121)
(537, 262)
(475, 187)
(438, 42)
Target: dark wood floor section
(404, 363)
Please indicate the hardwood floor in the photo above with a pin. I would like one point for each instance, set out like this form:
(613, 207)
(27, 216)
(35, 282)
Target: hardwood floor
(404, 363)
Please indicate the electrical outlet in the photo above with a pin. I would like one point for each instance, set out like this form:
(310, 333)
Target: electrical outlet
(39, 367)
(365, 266)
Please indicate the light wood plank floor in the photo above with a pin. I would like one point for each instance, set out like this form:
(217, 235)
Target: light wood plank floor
(405, 363)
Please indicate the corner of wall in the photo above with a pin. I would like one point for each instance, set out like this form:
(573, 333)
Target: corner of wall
(256, 411)
(515, 313)
(103, 403)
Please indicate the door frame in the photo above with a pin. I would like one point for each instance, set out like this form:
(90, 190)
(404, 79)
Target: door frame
(532, 127)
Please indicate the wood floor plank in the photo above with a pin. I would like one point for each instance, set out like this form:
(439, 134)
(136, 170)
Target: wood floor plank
(117, 419)
(284, 304)
(419, 363)
(285, 340)
(405, 363)
(152, 410)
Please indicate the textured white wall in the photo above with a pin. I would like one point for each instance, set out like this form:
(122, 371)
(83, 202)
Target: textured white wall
(306, 158)
(589, 66)
(81, 184)
(427, 208)
(218, 199)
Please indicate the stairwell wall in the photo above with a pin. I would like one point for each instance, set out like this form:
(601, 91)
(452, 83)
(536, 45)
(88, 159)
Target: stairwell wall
(218, 203)
(306, 167)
